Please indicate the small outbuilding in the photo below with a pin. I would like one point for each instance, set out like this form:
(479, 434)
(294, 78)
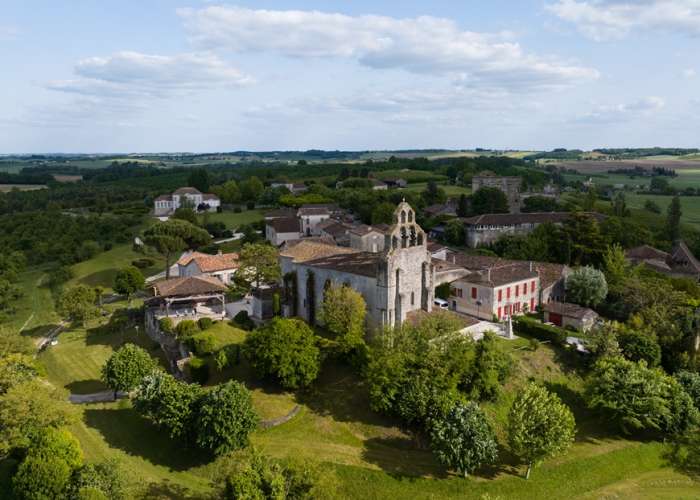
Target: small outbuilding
(568, 315)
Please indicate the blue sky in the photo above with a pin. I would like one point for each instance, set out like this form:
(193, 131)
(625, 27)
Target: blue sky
(157, 75)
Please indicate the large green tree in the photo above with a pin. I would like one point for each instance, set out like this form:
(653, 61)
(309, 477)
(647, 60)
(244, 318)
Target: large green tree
(78, 303)
(343, 313)
(433, 194)
(258, 265)
(128, 281)
(225, 418)
(126, 368)
(16, 368)
(286, 350)
(673, 219)
(464, 440)
(488, 200)
(586, 286)
(251, 189)
(199, 179)
(539, 425)
(173, 236)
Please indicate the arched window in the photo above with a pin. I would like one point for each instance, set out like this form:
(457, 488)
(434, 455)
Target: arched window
(403, 217)
(410, 216)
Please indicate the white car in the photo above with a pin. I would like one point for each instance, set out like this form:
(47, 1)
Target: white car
(442, 304)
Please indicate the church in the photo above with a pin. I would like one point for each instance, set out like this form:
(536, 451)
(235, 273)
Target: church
(393, 282)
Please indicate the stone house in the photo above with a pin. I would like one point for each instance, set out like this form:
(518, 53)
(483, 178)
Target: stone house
(680, 262)
(368, 238)
(282, 229)
(496, 292)
(292, 187)
(509, 185)
(186, 197)
(567, 315)
(222, 266)
(310, 217)
(393, 282)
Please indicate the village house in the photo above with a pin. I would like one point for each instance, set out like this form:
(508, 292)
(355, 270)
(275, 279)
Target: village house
(509, 185)
(486, 229)
(395, 182)
(567, 315)
(310, 217)
(496, 293)
(222, 266)
(448, 209)
(680, 262)
(368, 238)
(292, 187)
(186, 197)
(281, 229)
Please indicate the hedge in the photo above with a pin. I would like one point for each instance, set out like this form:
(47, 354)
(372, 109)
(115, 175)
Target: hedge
(202, 343)
(199, 370)
(535, 328)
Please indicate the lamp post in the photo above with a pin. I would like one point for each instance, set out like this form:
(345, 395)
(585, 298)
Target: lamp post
(478, 306)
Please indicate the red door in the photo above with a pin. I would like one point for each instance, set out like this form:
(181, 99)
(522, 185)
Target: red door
(555, 318)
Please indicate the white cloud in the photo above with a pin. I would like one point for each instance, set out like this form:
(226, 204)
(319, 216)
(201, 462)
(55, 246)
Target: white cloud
(613, 113)
(129, 74)
(614, 19)
(689, 73)
(421, 45)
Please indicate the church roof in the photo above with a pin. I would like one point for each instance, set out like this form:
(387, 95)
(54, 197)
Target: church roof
(360, 263)
(304, 250)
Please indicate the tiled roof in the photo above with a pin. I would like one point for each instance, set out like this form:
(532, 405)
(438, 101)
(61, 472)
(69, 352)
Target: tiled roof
(209, 196)
(568, 309)
(313, 211)
(192, 285)
(645, 252)
(210, 263)
(363, 229)
(164, 197)
(285, 224)
(187, 190)
(449, 208)
(360, 263)
(523, 218)
(497, 276)
(281, 212)
(307, 249)
(333, 227)
(682, 256)
(435, 247)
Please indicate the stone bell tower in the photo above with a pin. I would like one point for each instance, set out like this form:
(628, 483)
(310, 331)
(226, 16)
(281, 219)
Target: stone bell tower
(405, 281)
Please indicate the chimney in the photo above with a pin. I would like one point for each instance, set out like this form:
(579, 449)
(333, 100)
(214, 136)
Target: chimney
(488, 274)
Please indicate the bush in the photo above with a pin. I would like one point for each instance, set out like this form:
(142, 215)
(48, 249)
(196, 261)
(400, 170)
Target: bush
(534, 328)
(205, 323)
(186, 328)
(242, 320)
(166, 325)
(221, 359)
(202, 343)
(199, 370)
(237, 210)
(143, 263)
(250, 205)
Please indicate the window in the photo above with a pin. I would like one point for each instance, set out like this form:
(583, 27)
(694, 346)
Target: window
(456, 292)
(413, 298)
(473, 292)
(507, 292)
(500, 297)
(517, 290)
(524, 288)
(532, 287)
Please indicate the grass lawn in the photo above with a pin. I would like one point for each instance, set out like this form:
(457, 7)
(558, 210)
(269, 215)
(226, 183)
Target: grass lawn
(690, 206)
(35, 313)
(233, 220)
(102, 269)
(450, 190)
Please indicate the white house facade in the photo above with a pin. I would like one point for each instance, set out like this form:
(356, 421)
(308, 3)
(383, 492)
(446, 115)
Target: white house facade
(186, 197)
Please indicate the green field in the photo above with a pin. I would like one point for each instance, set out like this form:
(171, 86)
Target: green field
(690, 206)
(233, 220)
(450, 190)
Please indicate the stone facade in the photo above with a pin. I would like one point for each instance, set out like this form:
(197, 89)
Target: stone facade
(509, 185)
(185, 197)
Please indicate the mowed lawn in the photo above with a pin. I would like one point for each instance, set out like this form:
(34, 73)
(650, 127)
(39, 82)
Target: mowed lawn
(35, 313)
(234, 220)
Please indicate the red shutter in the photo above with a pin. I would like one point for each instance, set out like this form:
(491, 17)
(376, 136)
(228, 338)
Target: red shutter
(517, 290)
(473, 292)
(499, 312)
(500, 296)
(532, 304)
(532, 286)
(508, 293)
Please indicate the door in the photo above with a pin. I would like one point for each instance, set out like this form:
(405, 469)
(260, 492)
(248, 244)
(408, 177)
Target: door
(555, 318)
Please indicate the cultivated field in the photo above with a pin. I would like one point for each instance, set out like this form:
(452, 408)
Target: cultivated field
(6, 188)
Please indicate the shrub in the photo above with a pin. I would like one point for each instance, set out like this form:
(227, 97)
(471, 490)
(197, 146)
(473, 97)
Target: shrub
(534, 328)
(186, 328)
(205, 323)
(166, 325)
(250, 205)
(202, 343)
(221, 359)
(143, 263)
(243, 321)
(237, 210)
(126, 367)
(199, 370)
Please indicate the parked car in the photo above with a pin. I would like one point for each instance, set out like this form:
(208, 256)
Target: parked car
(442, 304)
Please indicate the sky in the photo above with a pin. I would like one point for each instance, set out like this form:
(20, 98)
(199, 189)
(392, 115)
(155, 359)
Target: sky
(129, 76)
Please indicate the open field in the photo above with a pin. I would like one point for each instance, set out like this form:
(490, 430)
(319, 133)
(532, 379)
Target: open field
(233, 220)
(602, 166)
(450, 190)
(6, 188)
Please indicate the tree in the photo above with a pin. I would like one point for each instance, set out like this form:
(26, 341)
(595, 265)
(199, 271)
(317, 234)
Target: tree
(586, 286)
(383, 213)
(491, 367)
(620, 206)
(251, 189)
(454, 232)
(615, 266)
(187, 214)
(343, 313)
(106, 478)
(659, 185)
(199, 179)
(433, 194)
(173, 236)
(539, 425)
(639, 398)
(77, 303)
(46, 471)
(540, 204)
(126, 368)
(691, 384)
(463, 206)
(225, 418)
(673, 219)
(639, 345)
(27, 408)
(16, 368)
(464, 440)
(590, 200)
(652, 206)
(286, 350)
(488, 200)
(128, 281)
(587, 243)
(169, 403)
(228, 192)
(258, 264)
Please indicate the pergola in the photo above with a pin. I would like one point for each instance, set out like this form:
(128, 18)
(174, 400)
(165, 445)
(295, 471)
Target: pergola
(194, 290)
